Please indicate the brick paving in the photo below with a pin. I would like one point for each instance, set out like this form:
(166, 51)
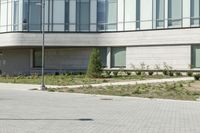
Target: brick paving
(47, 112)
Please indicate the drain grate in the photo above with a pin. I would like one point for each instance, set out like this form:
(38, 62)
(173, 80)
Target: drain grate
(106, 99)
(85, 119)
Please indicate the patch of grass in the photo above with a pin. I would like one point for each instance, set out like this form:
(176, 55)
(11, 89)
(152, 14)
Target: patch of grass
(178, 90)
(75, 79)
(51, 79)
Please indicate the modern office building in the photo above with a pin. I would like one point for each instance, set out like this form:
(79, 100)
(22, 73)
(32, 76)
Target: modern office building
(128, 33)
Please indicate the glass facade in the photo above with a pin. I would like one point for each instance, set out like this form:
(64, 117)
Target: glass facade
(58, 15)
(67, 15)
(16, 15)
(137, 14)
(174, 13)
(195, 12)
(25, 15)
(97, 15)
(35, 15)
(107, 15)
(83, 15)
(159, 13)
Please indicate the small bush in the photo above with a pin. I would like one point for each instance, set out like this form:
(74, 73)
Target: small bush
(171, 73)
(56, 73)
(165, 72)
(197, 76)
(81, 73)
(178, 74)
(115, 73)
(189, 73)
(150, 73)
(138, 73)
(128, 73)
(95, 67)
(108, 73)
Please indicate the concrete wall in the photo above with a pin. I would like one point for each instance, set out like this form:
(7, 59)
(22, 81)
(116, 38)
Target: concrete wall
(178, 57)
(15, 61)
(19, 61)
(67, 58)
(156, 37)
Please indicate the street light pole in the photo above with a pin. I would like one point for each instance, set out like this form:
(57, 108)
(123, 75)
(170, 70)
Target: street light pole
(43, 43)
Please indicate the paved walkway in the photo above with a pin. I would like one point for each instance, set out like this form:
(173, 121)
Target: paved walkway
(46, 112)
(31, 86)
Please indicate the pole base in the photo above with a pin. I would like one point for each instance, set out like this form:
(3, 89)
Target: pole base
(43, 87)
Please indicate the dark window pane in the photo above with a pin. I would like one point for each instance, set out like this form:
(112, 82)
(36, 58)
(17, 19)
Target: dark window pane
(35, 12)
(83, 15)
(37, 58)
(137, 14)
(66, 15)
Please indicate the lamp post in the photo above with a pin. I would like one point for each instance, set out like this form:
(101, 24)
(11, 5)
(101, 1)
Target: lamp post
(43, 43)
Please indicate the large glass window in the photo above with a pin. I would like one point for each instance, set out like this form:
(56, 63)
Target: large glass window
(159, 14)
(16, 15)
(67, 15)
(196, 56)
(25, 15)
(83, 15)
(35, 14)
(118, 57)
(195, 12)
(3, 15)
(37, 58)
(174, 13)
(58, 15)
(129, 15)
(112, 15)
(137, 14)
(101, 14)
(103, 53)
(107, 15)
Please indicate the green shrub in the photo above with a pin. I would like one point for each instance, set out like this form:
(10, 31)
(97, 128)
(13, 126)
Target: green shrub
(165, 72)
(197, 76)
(128, 73)
(115, 73)
(138, 73)
(170, 73)
(189, 73)
(94, 67)
(108, 73)
(56, 73)
(150, 73)
(178, 74)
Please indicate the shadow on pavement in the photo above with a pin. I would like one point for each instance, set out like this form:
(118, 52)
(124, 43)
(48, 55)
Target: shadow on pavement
(32, 119)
